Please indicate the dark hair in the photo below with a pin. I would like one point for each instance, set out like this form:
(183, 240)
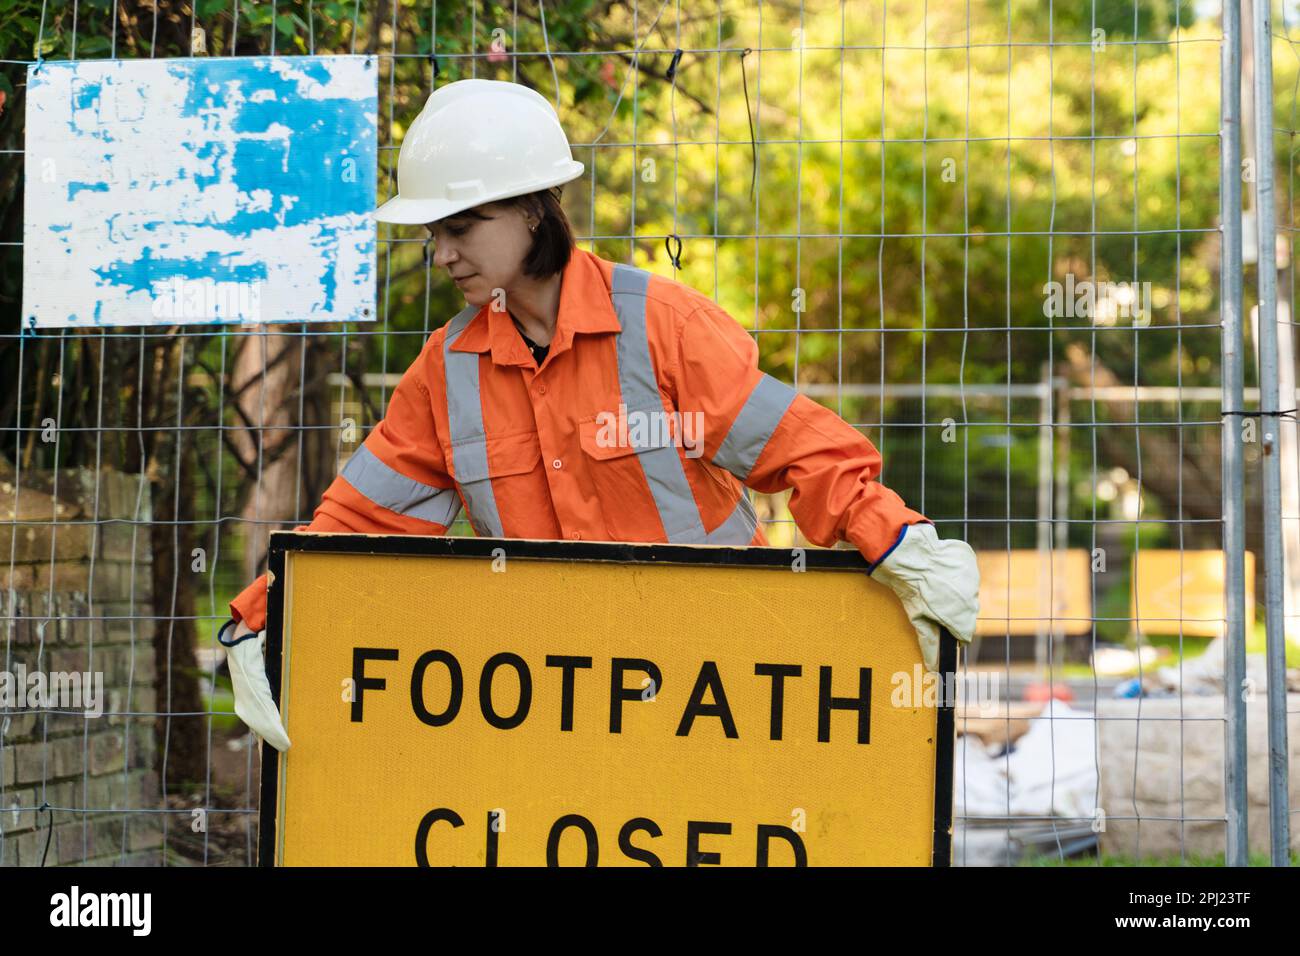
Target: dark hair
(553, 241)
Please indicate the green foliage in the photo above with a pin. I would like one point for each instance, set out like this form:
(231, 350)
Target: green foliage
(920, 197)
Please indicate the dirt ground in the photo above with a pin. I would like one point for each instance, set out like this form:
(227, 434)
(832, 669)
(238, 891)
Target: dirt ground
(228, 835)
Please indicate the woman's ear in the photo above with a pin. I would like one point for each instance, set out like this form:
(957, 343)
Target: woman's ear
(535, 214)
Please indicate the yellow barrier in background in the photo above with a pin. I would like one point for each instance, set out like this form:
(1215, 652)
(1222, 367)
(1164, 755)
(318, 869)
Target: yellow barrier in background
(1174, 592)
(1020, 594)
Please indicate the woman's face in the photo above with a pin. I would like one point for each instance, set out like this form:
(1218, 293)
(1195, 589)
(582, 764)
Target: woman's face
(482, 255)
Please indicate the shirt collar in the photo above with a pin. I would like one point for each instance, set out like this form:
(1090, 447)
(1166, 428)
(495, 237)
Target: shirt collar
(585, 306)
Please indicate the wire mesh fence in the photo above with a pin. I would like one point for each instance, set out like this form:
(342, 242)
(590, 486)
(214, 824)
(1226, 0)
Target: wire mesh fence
(1003, 239)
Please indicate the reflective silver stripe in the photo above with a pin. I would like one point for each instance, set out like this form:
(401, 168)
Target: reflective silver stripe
(468, 441)
(753, 427)
(636, 378)
(392, 490)
(739, 527)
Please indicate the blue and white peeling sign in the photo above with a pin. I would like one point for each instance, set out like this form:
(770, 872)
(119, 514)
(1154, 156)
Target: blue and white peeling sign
(167, 192)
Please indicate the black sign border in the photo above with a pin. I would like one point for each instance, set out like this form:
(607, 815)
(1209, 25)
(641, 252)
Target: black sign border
(284, 542)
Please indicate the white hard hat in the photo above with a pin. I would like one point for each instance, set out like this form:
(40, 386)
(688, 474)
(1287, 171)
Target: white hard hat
(474, 142)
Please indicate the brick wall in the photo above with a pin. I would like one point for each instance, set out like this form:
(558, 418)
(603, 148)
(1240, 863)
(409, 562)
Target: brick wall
(61, 611)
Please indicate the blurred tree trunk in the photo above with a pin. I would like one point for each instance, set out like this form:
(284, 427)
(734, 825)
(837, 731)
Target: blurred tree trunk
(1176, 471)
(182, 741)
(273, 375)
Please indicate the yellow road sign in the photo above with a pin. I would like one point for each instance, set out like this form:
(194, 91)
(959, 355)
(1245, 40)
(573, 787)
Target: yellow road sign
(1176, 592)
(472, 701)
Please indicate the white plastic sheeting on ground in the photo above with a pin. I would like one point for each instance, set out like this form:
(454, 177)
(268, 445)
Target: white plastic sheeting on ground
(1051, 771)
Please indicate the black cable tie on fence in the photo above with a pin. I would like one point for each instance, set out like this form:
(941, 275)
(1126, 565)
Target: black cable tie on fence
(49, 828)
(753, 145)
(433, 58)
(40, 61)
(676, 259)
(1280, 412)
(672, 67)
(425, 252)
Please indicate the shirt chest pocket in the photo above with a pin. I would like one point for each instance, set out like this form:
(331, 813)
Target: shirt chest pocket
(497, 477)
(477, 459)
(606, 437)
(627, 460)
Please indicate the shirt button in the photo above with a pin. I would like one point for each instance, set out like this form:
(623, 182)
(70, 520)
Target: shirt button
(575, 535)
(555, 464)
(541, 389)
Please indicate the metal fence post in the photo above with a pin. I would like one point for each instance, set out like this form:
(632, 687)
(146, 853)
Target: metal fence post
(1270, 422)
(1234, 523)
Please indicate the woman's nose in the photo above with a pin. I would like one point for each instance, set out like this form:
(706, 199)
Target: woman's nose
(443, 254)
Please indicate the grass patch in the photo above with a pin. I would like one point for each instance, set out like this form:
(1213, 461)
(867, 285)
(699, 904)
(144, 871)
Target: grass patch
(221, 704)
(1192, 859)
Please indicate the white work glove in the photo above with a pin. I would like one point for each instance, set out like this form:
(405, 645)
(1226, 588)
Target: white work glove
(938, 583)
(253, 702)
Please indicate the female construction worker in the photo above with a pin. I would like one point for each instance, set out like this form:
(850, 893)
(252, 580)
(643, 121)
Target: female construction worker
(540, 407)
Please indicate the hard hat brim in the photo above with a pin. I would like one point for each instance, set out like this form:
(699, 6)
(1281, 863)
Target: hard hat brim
(417, 212)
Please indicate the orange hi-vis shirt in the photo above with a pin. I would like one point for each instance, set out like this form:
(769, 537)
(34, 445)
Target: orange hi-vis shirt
(647, 414)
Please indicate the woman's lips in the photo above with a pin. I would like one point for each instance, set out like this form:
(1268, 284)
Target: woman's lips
(466, 278)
